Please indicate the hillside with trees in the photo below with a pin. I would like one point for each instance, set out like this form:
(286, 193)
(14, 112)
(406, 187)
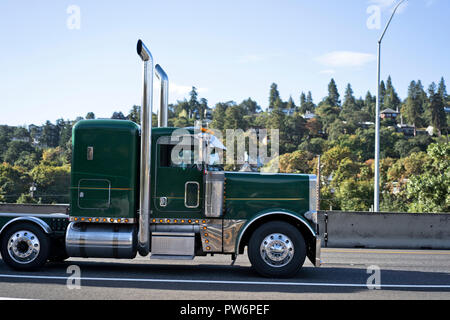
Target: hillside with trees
(415, 151)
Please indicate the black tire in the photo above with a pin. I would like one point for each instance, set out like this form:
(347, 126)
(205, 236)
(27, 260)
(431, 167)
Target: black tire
(32, 246)
(275, 240)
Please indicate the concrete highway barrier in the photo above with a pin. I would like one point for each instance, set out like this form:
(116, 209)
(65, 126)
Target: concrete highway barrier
(381, 230)
(384, 230)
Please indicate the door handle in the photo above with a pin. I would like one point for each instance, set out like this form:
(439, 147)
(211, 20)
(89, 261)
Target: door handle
(163, 201)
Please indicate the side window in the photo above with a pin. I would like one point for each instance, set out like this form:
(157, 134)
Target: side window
(165, 150)
(165, 160)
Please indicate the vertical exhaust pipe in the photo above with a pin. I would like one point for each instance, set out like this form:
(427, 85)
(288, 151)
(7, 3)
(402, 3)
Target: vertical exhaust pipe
(146, 136)
(164, 96)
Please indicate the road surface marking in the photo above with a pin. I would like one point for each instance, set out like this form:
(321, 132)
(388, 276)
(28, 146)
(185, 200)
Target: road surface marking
(381, 252)
(231, 282)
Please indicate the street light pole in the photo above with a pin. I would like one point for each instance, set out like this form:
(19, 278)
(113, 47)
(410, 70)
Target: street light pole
(376, 206)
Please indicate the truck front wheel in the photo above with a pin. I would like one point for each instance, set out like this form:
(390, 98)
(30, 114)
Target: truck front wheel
(277, 249)
(24, 246)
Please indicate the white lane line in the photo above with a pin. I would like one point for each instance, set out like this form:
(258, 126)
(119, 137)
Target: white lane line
(300, 284)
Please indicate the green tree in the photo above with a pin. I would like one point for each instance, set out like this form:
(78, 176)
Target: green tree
(442, 89)
(202, 107)
(349, 104)
(250, 106)
(135, 114)
(118, 116)
(13, 182)
(16, 149)
(436, 107)
(413, 109)
(315, 146)
(194, 104)
(274, 96)
(50, 135)
(333, 95)
(234, 118)
(430, 190)
(52, 182)
(355, 195)
(296, 162)
(370, 104)
(90, 115)
(391, 99)
(291, 105)
(220, 109)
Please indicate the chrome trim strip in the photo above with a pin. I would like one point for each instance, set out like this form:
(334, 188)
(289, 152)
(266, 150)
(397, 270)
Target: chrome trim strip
(312, 193)
(177, 221)
(198, 194)
(103, 220)
(318, 262)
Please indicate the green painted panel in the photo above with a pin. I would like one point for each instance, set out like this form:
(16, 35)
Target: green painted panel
(105, 164)
(247, 194)
(94, 194)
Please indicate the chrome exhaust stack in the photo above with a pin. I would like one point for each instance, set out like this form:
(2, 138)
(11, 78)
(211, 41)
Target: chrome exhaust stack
(164, 96)
(146, 137)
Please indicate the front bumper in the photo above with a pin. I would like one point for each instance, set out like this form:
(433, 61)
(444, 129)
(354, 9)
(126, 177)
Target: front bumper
(317, 262)
(314, 251)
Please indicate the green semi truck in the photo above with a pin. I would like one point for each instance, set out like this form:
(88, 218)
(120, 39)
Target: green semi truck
(128, 197)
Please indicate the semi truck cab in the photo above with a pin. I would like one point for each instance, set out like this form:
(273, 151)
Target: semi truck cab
(129, 196)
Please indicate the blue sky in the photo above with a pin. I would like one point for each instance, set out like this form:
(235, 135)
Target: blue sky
(229, 50)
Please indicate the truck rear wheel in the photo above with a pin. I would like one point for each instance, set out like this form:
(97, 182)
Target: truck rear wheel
(24, 246)
(277, 249)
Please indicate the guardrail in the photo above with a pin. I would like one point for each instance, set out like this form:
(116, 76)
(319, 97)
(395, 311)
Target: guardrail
(384, 230)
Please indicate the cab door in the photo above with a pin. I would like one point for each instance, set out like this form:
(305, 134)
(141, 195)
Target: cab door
(178, 191)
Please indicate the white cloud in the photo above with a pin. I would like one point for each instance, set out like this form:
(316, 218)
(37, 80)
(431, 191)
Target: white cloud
(251, 58)
(328, 71)
(338, 59)
(179, 92)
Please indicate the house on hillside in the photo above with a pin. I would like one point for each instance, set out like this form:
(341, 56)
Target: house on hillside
(406, 129)
(389, 114)
(288, 112)
(308, 115)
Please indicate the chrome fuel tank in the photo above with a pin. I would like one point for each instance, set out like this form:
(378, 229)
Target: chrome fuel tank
(101, 240)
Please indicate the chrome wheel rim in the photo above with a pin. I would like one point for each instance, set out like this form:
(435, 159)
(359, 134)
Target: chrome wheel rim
(277, 250)
(23, 246)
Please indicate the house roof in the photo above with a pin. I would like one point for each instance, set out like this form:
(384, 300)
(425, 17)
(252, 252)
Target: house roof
(388, 110)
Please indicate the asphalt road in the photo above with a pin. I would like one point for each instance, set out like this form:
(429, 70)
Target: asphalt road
(402, 274)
